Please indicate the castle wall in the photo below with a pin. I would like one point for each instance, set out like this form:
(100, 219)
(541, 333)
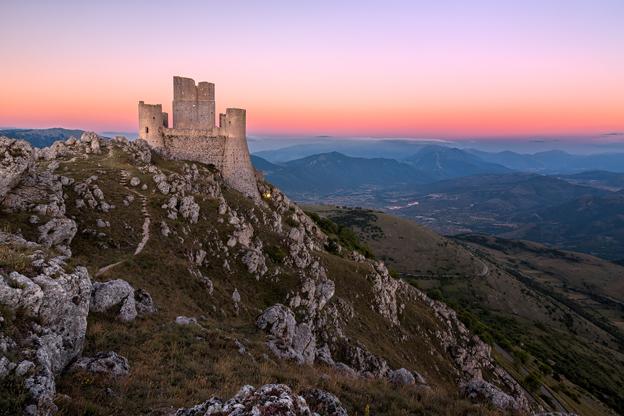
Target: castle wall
(237, 168)
(194, 145)
(151, 121)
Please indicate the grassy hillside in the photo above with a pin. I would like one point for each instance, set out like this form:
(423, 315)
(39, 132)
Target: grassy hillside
(553, 317)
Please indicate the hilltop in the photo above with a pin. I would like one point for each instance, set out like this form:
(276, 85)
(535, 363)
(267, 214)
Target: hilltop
(131, 283)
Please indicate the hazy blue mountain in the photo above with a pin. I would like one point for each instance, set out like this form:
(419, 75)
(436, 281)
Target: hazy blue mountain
(554, 161)
(389, 149)
(334, 172)
(41, 137)
(448, 162)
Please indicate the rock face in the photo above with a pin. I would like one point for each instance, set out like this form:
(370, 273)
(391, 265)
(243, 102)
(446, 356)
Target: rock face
(287, 339)
(16, 157)
(54, 305)
(106, 363)
(481, 390)
(270, 399)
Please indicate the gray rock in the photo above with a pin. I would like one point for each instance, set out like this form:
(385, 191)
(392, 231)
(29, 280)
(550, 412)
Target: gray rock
(16, 158)
(100, 223)
(107, 363)
(189, 209)
(185, 320)
(481, 390)
(287, 339)
(270, 399)
(144, 303)
(57, 232)
(401, 377)
(54, 307)
(112, 295)
(135, 181)
(24, 367)
(323, 403)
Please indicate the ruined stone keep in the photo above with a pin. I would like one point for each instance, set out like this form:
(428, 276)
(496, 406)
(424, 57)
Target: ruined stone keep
(195, 135)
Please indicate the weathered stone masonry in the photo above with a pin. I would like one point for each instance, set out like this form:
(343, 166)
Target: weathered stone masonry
(195, 136)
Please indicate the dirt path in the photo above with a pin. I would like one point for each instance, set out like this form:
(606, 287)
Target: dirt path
(146, 223)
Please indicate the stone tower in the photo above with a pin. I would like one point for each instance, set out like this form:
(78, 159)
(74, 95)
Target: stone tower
(193, 105)
(195, 136)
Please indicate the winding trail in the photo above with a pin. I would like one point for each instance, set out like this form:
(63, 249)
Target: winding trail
(146, 223)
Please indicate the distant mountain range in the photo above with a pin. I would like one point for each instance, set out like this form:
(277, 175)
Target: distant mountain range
(333, 172)
(440, 162)
(41, 137)
(548, 162)
(554, 161)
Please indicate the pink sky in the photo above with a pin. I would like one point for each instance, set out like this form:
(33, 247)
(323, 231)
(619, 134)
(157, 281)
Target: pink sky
(388, 69)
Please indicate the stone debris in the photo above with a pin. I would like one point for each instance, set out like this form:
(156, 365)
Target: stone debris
(270, 399)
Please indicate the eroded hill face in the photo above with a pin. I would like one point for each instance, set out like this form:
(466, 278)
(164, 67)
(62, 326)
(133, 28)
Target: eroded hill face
(134, 284)
(553, 317)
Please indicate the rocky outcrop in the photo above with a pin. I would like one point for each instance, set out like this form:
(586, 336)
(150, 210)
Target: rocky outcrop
(287, 339)
(270, 399)
(481, 390)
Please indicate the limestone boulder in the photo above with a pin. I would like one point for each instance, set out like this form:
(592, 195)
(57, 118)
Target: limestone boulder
(106, 363)
(92, 142)
(119, 295)
(16, 158)
(401, 377)
(57, 232)
(323, 403)
(481, 390)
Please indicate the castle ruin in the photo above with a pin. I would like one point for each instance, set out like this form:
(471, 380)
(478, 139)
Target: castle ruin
(195, 135)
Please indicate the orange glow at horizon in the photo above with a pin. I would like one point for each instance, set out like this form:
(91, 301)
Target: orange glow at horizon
(490, 70)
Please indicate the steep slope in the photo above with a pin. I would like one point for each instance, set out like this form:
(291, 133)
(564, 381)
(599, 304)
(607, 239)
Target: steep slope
(133, 284)
(554, 318)
(592, 224)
